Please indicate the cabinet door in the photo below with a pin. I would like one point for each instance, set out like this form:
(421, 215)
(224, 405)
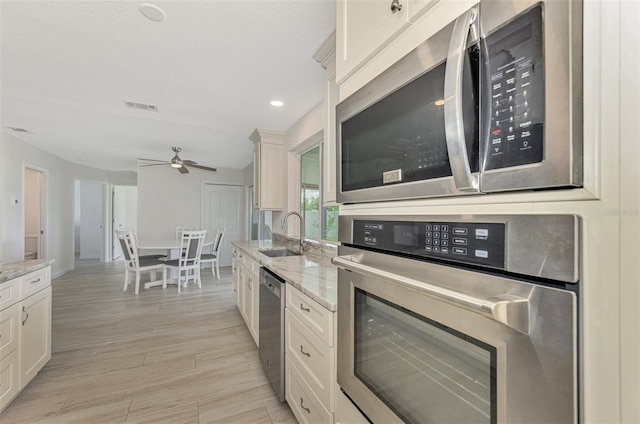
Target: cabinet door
(9, 378)
(235, 277)
(241, 293)
(417, 8)
(271, 185)
(35, 335)
(364, 27)
(9, 329)
(255, 309)
(251, 287)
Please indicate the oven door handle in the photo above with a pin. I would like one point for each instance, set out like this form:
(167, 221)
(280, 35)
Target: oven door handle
(453, 118)
(506, 309)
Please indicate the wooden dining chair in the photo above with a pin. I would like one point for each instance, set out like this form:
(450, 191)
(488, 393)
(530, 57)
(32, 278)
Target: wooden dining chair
(134, 263)
(188, 265)
(215, 253)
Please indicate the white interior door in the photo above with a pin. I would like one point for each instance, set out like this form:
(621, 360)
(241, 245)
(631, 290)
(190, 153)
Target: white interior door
(34, 215)
(223, 207)
(92, 219)
(124, 206)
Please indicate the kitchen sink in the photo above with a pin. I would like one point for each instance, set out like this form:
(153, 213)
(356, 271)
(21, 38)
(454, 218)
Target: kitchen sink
(278, 253)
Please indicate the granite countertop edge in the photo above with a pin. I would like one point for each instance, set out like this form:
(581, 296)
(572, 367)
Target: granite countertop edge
(311, 273)
(12, 270)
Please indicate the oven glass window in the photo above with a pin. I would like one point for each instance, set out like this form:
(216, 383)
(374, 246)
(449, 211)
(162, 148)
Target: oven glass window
(423, 371)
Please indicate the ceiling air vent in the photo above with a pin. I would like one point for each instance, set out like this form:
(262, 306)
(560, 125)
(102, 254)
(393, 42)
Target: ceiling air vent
(18, 129)
(141, 106)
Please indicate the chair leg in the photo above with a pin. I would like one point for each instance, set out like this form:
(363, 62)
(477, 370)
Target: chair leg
(179, 281)
(197, 271)
(164, 278)
(217, 269)
(126, 278)
(137, 282)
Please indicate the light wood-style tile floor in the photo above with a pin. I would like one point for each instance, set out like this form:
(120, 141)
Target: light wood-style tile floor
(158, 357)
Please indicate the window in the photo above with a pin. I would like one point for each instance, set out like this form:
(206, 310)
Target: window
(321, 223)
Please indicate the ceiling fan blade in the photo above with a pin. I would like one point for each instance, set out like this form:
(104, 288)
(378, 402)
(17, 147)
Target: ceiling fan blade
(183, 170)
(204, 168)
(152, 160)
(189, 162)
(154, 164)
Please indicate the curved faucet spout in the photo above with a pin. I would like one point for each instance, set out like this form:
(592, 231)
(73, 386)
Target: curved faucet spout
(284, 226)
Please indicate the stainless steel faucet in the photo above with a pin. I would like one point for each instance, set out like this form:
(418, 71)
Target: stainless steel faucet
(284, 227)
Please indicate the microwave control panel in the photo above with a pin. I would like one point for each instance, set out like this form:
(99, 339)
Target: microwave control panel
(466, 242)
(515, 93)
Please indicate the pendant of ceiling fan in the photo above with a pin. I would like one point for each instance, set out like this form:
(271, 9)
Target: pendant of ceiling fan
(177, 163)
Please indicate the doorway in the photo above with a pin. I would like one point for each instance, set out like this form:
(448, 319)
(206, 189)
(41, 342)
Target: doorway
(90, 221)
(35, 212)
(223, 207)
(124, 212)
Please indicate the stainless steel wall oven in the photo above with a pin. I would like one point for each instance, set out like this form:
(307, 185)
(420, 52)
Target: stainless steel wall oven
(492, 102)
(459, 319)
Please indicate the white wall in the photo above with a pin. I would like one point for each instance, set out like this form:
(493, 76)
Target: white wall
(167, 199)
(310, 126)
(60, 204)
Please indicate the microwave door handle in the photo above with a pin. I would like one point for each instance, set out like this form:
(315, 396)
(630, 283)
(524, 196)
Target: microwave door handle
(506, 309)
(453, 118)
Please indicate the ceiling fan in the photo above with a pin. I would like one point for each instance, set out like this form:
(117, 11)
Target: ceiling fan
(179, 164)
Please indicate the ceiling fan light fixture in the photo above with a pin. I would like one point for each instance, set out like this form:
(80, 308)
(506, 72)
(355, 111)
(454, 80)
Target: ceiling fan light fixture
(176, 165)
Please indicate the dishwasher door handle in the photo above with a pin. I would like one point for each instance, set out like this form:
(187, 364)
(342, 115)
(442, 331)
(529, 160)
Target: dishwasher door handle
(271, 287)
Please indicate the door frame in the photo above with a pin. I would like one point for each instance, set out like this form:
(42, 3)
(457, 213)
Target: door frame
(43, 239)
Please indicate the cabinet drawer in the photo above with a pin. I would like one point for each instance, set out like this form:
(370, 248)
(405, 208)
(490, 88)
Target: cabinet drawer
(305, 405)
(35, 281)
(9, 293)
(9, 378)
(314, 360)
(9, 327)
(316, 317)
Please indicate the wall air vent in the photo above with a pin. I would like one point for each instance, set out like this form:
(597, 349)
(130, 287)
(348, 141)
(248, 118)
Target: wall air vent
(141, 106)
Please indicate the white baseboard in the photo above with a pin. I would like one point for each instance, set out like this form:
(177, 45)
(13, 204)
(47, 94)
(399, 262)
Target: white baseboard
(61, 273)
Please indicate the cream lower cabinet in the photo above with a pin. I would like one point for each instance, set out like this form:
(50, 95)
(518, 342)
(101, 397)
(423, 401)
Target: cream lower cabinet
(310, 358)
(25, 331)
(246, 284)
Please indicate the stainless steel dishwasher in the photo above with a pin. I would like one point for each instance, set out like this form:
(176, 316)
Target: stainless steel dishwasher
(271, 332)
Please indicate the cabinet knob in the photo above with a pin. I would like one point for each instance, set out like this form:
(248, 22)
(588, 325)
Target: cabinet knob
(396, 6)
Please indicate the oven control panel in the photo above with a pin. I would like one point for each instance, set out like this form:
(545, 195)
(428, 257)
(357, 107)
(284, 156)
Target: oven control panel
(467, 242)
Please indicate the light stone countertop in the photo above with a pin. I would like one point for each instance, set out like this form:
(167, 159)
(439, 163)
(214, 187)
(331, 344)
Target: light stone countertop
(12, 270)
(311, 273)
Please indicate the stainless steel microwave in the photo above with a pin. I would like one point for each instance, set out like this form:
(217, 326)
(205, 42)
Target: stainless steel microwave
(491, 103)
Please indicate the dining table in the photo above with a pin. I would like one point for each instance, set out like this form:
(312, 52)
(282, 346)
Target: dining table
(172, 248)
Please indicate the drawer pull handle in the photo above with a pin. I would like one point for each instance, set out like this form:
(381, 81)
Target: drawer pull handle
(307, 354)
(24, 311)
(303, 407)
(304, 309)
(35, 281)
(396, 6)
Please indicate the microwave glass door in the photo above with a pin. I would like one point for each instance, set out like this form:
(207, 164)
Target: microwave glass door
(403, 134)
(423, 371)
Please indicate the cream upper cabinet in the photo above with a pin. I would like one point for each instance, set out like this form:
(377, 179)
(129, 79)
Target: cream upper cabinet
(268, 166)
(326, 56)
(417, 8)
(363, 28)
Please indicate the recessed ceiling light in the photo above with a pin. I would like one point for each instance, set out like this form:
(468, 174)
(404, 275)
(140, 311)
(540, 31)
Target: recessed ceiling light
(276, 103)
(153, 12)
(439, 102)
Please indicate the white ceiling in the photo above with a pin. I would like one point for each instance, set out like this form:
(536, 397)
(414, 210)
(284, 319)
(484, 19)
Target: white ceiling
(211, 68)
